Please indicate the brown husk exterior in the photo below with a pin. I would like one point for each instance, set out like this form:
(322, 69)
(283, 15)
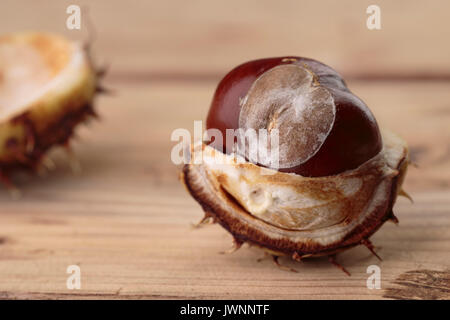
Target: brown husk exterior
(58, 132)
(242, 232)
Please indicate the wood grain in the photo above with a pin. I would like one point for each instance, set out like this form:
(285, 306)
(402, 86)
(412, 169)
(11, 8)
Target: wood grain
(421, 284)
(154, 39)
(126, 219)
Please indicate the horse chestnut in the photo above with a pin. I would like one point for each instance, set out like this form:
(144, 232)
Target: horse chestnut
(337, 176)
(324, 128)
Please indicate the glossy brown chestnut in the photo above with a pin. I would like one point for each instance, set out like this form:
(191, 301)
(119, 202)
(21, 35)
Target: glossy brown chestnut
(354, 136)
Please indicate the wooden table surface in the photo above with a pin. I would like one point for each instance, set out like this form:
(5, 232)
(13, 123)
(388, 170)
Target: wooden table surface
(126, 219)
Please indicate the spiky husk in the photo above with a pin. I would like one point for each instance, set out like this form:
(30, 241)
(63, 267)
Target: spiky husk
(219, 205)
(27, 135)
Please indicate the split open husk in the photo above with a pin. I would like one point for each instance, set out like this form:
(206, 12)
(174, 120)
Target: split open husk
(288, 214)
(47, 87)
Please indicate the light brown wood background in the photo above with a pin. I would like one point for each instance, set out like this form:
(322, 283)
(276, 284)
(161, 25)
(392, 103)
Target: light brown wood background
(125, 220)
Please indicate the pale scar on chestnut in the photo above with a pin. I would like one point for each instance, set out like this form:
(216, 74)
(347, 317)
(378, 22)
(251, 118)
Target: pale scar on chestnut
(315, 203)
(287, 98)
